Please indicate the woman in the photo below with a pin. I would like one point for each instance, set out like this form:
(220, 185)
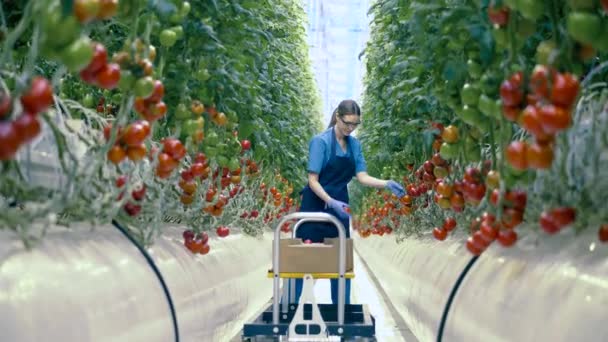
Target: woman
(335, 157)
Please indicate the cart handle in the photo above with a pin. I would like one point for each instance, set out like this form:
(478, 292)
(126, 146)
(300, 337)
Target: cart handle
(313, 217)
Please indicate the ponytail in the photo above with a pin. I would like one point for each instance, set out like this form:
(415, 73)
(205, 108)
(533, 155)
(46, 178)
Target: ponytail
(345, 107)
(334, 119)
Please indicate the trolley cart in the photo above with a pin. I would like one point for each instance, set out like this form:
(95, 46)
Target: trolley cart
(308, 321)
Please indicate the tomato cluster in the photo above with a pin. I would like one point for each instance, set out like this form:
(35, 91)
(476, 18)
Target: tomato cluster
(37, 98)
(196, 243)
(99, 72)
(173, 151)
(552, 221)
(546, 112)
(138, 195)
(130, 142)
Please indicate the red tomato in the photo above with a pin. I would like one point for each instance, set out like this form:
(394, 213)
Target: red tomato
(516, 155)
(38, 97)
(498, 16)
(139, 193)
(547, 223)
(135, 134)
(100, 59)
(245, 145)
(472, 247)
(440, 233)
(137, 152)
(108, 76)
(449, 224)
(530, 120)
(539, 81)
(157, 93)
(507, 237)
(539, 156)
(603, 232)
(565, 89)
(488, 231)
(174, 148)
(132, 209)
(27, 127)
(222, 231)
(511, 93)
(554, 118)
(9, 140)
(166, 163)
(563, 216)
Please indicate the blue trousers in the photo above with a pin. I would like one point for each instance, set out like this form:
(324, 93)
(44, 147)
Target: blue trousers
(334, 290)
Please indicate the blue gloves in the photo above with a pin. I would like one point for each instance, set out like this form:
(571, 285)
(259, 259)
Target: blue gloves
(396, 188)
(339, 207)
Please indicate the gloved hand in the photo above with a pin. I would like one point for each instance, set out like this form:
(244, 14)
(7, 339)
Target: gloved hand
(339, 207)
(396, 188)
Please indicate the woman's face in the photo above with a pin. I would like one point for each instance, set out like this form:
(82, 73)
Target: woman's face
(347, 123)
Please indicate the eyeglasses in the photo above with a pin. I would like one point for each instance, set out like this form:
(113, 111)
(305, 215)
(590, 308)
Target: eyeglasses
(352, 125)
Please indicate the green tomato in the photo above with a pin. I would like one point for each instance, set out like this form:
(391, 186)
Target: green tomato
(531, 9)
(474, 69)
(584, 27)
(449, 151)
(144, 87)
(189, 127)
(470, 94)
(471, 115)
(485, 105)
(175, 18)
(59, 31)
(88, 101)
(472, 153)
(210, 151)
(222, 160)
(168, 37)
(179, 31)
(496, 112)
(212, 138)
(117, 98)
(582, 4)
(234, 164)
(202, 75)
(182, 112)
(127, 80)
(78, 54)
(185, 9)
(547, 53)
(489, 84)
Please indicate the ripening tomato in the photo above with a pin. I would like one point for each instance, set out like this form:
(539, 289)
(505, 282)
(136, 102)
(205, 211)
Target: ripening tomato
(157, 93)
(450, 134)
(100, 59)
(137, 152)
(166, 163)
(539, 156)
(174, 148)
(116, 154)
(135, 134)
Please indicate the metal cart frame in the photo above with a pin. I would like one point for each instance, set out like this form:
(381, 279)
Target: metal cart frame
(341, 320)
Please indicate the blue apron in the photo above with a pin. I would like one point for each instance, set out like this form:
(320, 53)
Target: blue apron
(334, 178)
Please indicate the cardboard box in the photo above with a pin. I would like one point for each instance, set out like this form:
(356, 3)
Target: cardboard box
(295, 256)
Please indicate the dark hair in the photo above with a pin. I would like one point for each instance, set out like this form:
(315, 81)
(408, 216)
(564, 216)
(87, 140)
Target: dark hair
(344, 108)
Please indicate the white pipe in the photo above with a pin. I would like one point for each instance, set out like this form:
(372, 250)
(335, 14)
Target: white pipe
(546, 288)
(82, 285)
